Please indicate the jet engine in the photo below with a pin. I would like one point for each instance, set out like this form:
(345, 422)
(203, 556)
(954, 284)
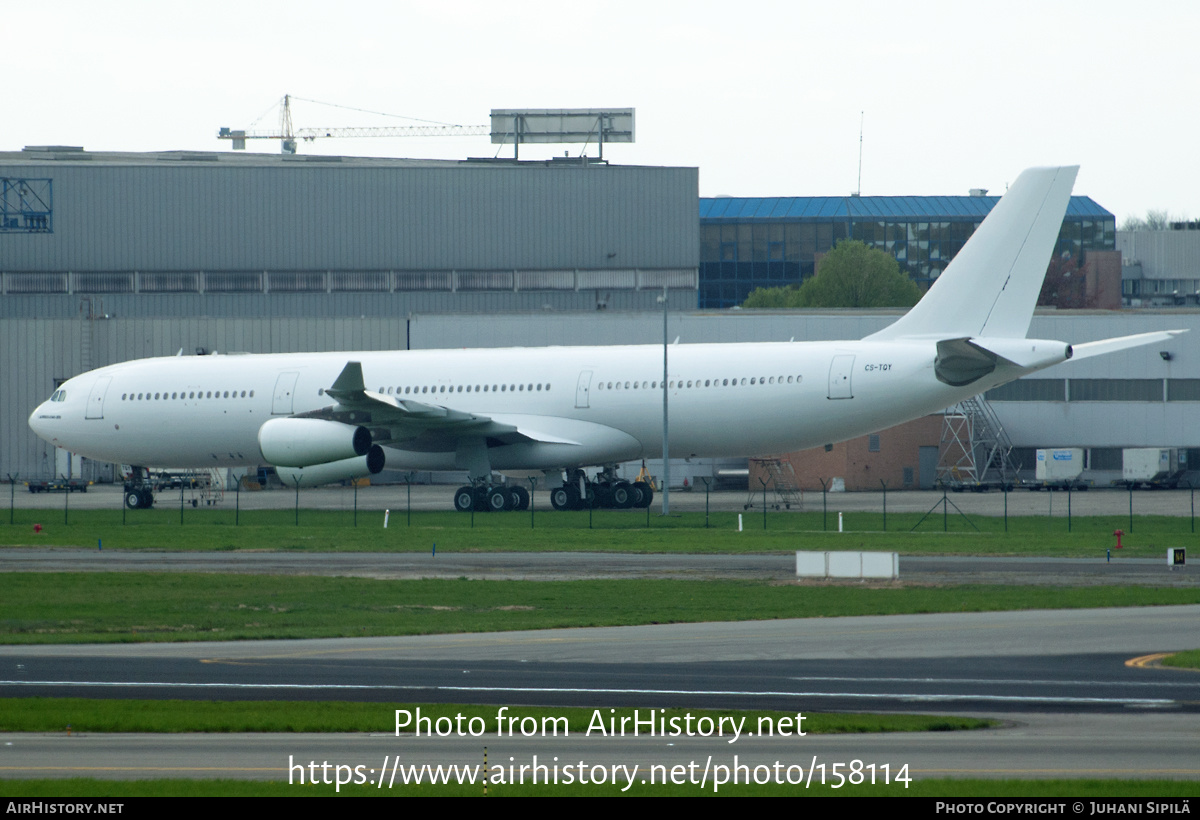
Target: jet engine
(293, 442)
(318, 474)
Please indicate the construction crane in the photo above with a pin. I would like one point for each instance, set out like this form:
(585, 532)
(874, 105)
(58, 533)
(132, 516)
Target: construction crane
(287, 135)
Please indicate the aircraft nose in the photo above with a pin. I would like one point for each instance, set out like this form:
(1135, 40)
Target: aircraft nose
(36, 424)
(39, 421)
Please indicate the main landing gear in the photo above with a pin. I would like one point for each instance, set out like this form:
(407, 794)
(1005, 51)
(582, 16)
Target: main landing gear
(493, 498)
(578, 492)
(138, 493)
(606, 492)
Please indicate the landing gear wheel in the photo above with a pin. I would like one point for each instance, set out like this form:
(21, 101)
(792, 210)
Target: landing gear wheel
(622, 495)
(139, 499)
(647, 494)
(498, 499)
(635, 490)
(464, 499)
(565, 497)
(600, 494)
(520, 498)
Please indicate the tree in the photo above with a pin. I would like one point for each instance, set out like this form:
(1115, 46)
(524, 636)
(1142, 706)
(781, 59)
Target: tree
(1156, 220)
(772, 297)
(1065, 285)
(850, 275)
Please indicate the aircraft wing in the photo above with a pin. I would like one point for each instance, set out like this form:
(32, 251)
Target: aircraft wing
(412, 424)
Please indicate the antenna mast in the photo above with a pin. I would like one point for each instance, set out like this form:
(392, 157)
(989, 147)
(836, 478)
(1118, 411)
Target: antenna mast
(858, 192)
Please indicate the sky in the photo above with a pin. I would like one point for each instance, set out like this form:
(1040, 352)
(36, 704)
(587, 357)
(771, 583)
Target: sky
(765, 98)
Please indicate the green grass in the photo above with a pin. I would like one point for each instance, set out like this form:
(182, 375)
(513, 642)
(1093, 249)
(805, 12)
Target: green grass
(1183, 660)
(133, 606)
(1145, 790)
(612, 530)
(169, 716)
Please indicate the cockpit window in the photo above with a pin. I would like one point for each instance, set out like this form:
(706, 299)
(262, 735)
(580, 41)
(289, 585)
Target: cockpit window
(58, 395)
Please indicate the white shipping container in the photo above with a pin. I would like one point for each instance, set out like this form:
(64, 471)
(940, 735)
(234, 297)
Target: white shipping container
(1059, 464)
(1148, 463)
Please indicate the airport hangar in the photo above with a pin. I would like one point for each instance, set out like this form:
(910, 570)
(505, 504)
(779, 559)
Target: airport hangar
(106, 257)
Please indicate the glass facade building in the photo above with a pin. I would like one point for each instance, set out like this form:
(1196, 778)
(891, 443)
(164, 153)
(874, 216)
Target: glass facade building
(769, 242)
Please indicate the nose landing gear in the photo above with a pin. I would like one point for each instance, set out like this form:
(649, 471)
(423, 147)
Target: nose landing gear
(138, 494)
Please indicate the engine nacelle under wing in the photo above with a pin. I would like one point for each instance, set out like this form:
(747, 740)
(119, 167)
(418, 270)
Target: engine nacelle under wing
(293, 442)
(318, 474)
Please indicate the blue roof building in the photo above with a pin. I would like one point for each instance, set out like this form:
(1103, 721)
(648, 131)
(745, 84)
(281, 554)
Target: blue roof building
(753, 242)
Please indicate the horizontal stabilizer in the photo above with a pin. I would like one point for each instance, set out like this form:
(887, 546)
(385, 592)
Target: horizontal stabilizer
(1103, 346)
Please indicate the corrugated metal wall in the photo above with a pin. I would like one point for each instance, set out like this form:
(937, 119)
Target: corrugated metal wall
(1163, 254)
(395, 306)
(163, 216)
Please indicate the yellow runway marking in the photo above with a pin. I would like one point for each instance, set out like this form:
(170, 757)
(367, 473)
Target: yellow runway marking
(1147, 661)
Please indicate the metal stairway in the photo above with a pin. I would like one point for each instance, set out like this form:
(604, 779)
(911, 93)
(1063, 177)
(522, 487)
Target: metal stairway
(975, 451)
(787, 493)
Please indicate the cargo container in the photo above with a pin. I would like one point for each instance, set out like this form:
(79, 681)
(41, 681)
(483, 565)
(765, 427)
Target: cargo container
(1059, 468)
(1153, 467)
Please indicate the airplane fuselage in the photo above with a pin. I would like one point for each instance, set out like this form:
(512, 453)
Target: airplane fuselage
(587, 405)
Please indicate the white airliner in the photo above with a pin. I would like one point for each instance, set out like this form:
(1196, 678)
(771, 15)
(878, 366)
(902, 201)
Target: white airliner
(321, 417)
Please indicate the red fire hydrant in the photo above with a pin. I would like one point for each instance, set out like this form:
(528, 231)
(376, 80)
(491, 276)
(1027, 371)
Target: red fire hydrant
(1118, 533)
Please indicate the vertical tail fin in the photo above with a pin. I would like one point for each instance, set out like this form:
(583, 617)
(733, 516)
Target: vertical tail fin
(991, 286)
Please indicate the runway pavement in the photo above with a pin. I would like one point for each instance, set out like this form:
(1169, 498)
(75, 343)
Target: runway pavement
(575, 565)
(1026, 746)
(1071, 705)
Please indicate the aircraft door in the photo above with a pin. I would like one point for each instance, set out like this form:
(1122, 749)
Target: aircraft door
(95, 405)
(285, 391)
(839, 377)
(583, 389)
